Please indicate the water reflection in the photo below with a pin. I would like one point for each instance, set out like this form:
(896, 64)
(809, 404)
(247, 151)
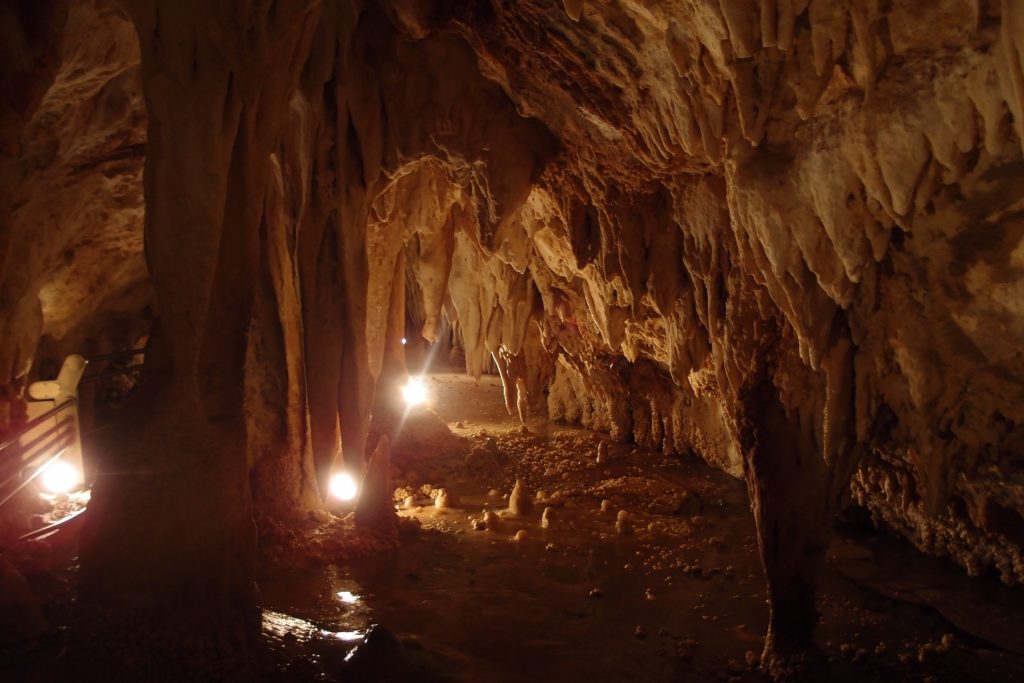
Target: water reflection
(346, 636)
(348, 597)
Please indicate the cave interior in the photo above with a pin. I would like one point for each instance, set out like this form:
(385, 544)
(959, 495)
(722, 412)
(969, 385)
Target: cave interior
(608, 340)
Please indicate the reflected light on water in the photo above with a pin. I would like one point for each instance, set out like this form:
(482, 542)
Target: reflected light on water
(348, 598)
(346, 636)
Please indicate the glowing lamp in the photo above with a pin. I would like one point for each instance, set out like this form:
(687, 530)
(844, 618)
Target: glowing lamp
(60, 477)
(343, 486)
(414, 392)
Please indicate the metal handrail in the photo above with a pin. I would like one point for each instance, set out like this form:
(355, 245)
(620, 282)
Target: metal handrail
(51, 528)
(35, 422)
(21, 466)
(58, 433)
(63, 441)
(117, 354)
(131, 369)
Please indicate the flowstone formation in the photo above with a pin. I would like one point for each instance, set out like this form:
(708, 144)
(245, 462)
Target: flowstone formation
(784, 237)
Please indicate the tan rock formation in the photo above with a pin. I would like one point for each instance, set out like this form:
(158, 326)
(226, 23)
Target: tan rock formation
(375, 509)
(783, 236)
(170, 523)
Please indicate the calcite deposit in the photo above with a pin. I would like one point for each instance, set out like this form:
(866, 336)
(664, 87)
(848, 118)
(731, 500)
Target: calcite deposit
(784, 237)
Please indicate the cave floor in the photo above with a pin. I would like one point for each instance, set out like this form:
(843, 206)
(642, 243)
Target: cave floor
(681, 597)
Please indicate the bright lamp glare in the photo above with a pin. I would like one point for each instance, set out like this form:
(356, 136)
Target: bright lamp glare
(60, 477)
(343, 486)
(404, 340)
(414, 392)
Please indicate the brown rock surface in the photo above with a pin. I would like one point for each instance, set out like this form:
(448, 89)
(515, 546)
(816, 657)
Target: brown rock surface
(783, 236)
(73, 260)
(21, 617)
(375, 508)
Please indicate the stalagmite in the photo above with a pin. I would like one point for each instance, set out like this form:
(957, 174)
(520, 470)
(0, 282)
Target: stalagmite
(375, 508)
(520, 502)
(623, 523)
(491, 520)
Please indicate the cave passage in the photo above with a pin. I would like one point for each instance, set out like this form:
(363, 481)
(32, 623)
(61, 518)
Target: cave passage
(385, 340)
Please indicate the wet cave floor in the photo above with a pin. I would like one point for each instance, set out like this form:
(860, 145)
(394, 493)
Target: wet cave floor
(678, 596)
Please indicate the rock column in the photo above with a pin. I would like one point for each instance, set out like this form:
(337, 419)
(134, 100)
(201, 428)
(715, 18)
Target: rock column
(168, 554)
